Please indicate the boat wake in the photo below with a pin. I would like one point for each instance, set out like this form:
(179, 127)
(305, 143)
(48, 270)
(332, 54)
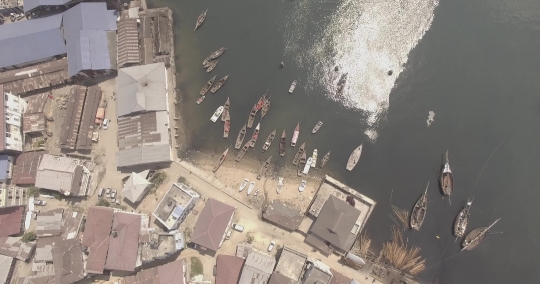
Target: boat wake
(369, 40)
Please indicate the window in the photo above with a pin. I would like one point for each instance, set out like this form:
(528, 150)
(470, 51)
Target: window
(8, 134)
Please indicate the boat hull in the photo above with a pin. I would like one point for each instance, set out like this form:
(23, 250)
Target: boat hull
(354, 158)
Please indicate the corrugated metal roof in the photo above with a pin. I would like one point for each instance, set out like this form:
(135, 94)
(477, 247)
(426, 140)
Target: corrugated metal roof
(96, 237)
(68, 261)
(88, 16)
(49, 223)
(141, 88)
(134, 187)
(4, 165)
(124, 242)
(25, 168)
(31, 40)
(59, 173)
(32, 4)
(5, 268)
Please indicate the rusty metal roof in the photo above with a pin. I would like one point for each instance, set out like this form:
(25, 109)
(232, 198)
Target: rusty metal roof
(25, 168)
(36, 77)
(11, 219)
(91, 104)
(279, 213)
(72, 120)
(128, 42)
(68, 261)
(96, 237)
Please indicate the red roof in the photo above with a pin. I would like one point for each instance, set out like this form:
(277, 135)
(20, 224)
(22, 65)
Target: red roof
(96, 237)
(124, 245)
(11, 220)
(171, 273)
(25, 168)
(228, 269)
(212, 224)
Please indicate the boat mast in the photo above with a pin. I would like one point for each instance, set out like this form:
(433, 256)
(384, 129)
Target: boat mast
(481, 234)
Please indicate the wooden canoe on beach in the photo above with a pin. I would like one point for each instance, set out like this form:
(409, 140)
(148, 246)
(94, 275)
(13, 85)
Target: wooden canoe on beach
(220, 161)
(264, 168)
(240, 138)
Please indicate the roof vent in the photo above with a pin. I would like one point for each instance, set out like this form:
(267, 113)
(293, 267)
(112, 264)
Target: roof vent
(114, 234)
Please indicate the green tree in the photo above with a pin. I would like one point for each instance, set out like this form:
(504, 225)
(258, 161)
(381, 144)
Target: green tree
(103, 202)
(29, 237)
(33, 191)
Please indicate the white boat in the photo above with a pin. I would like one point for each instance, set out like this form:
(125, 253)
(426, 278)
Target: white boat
(293, 85)
(308, 165)
(216, 115)
(314, 158)
(279, 185)
(302, 185)
(244, 184)
(353, 159)
(251, 187)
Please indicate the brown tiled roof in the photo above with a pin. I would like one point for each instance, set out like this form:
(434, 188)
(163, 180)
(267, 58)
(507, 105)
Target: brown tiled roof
(339, 278)
(171, 273)
(278, 278)
(68, 261)
(124, 245)
(96, 237)
(212, 224)
(11, 220)
(228, 269)
(25, 168)
(279, 213)
(335, 222)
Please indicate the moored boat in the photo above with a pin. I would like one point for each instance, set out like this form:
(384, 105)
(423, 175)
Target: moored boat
(341, 84)
(254, 136)
(265, 107)
(251, 117)
(291, 88)
(242, 152)
(243, 184)
(200, 20)
(302, 163)
(216, 114)
(220, 161)
(219, 84)
(354, 157)
(446, 179)
(325, 160)
(317, 127)
(227, 126)
(314, 158)
(302, 185)
(226, 107)
(261, 101)
(462, 220)
(476, 236)
(279, 185)
(200, 100)
(299, 154)
(251, 187)
(282, 143)
(269, 140)
(207, 62)
(295, 135)
(217, 53)
(207, 86)
(240, 138)
(211, 66)
(308, 165)
(264, 168)
(419, 211)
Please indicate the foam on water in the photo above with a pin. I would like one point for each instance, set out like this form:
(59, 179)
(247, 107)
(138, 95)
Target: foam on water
(366, 39)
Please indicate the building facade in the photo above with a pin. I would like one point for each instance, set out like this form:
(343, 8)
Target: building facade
(13, 108)
(173, 209)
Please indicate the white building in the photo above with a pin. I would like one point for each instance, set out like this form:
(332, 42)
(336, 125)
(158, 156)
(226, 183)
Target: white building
(12, 108)
(176, 205)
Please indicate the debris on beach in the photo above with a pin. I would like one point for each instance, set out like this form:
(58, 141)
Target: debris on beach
(431, 118)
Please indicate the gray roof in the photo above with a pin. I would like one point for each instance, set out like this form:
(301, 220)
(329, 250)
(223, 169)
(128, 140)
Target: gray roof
(141, 88)
(257, 268)
(62, 174)
(85, 30)
(31, 40)
(49, 223)
(335, 223)
(32, 4)
(134, 187)
(5, 268)
(4, 163)
(68, 261)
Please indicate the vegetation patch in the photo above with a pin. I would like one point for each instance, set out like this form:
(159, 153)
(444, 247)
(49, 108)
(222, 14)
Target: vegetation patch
(33, 191)
(103, 202)
(29, 237)
(196, 267)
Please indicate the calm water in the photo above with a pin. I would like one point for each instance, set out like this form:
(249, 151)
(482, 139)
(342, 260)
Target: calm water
(476, 64)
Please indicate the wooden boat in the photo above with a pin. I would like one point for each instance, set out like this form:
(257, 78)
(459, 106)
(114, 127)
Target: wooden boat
(240, 138)
(200, 20)
(354, 157)
(219, 84)
(243, 184)
(295, 135)
(476, 236)
(207, 86)
(211, 66)
(314, 159)
(308, 165)
(291, 88)
(261, 101)
(299, 154)
(446, 179)
(220, 161)
(255, 136)
(419, 211)
(301, 164)
(227, 126)
(317, 127)
(216, 114)
(217, 53)
(200, 100)
(282, 143)
(265, 107)
(279, 185)
(242, 152)
(251, 187)
(325, 159)
(462, 220)
(264, 168)
(252, 115)
(341, 84)
(207, 62)
(226, 107)
(302, 185)
(269, 141)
